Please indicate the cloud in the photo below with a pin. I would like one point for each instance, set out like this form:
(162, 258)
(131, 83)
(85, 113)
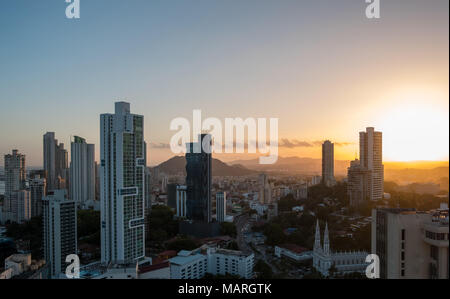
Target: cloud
(294, 143)
(159, 145)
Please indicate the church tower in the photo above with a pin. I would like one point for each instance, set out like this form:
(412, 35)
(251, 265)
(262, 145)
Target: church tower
(326, 241)
(317, 246)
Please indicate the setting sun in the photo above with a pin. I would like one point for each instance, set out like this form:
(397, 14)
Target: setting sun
(416, 128)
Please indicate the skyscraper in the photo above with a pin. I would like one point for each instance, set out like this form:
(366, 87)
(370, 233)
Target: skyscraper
(60, 230)
(82, 171)
(198, 179)
(371, 158)
(37, 192)
(328, 163)
(55, 162)
(122, 171)
(20, 206)
(221, 206)
(180, 201)
(15, 176)
(357, 180)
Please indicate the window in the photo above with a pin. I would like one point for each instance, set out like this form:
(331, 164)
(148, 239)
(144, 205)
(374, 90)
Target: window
(403, 234)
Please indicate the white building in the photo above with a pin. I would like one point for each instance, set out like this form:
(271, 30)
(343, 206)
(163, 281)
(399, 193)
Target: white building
(411, 244)
(15, 176)
(195, 264)
(231, 262)
(60, 230)
(344, 262)
(181, 201)
(221, 206)
(21, 206)
(122, 181)
(188, 265)
(82, 171)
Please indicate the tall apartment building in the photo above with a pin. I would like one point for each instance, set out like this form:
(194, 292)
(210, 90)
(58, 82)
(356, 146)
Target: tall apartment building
(221, 206)
(181, 200)
(82, 171)
(60, 231)
(199, 179)
(371, 158)
(357, 181)
(15, 180)
(122, 186)
(37, 192)
(20, 206)
(55, 163)
(411, 244)
(328, 163)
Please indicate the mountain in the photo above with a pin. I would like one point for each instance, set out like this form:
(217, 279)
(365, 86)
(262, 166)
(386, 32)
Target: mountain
(177, 165)
(294, 165)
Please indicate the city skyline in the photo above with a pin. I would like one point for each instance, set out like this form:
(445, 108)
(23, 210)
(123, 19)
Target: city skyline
(290, 64)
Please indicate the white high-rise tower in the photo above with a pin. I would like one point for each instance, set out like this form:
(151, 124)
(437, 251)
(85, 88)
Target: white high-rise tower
(82, 171)
(122, 187)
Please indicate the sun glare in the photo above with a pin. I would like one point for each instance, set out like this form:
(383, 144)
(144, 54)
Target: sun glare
(416, 130)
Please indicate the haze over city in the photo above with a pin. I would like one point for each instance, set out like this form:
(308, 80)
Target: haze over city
(321, 67)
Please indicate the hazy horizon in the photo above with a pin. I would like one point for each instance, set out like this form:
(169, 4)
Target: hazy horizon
(321, 67)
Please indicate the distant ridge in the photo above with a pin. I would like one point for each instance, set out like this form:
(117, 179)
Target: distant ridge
(177, 165)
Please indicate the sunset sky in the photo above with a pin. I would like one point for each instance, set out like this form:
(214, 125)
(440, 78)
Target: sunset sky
(321, 67)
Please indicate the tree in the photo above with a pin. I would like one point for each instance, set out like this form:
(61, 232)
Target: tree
(228, 229)
(88, 226)
(263, 270)
(274, 234)
(182, 243)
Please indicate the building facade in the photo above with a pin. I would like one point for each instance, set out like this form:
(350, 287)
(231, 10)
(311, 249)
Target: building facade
(181, 200)
(38, 187)
(357, 183)
(195, 264)
(328, 163)
(21, 206)
(55, 163)
(60, 231)
(15, 180)
(122, 186)
(221, 206)
(411, 244)
(82, 171)
(199, 179)
(371, 158)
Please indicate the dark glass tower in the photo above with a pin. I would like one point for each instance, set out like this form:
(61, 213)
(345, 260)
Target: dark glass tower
(198, 179)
